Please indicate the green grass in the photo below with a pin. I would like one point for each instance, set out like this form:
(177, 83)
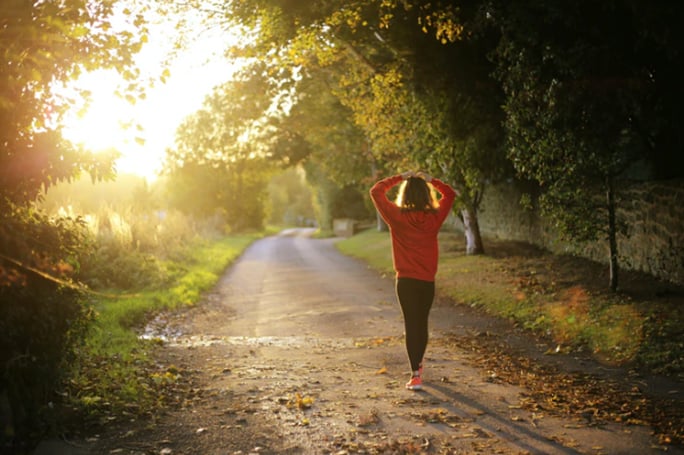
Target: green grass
(112, 371)
(528, 291)
(371, 246)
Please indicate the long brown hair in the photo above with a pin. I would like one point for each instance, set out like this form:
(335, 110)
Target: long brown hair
(415, 195)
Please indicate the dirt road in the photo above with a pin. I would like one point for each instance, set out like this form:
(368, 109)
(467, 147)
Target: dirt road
(300, 350)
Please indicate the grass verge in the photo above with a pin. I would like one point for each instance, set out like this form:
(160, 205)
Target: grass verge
(113, 375)
(563, 297)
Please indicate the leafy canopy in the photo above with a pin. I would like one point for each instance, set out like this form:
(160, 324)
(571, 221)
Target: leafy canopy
(44, 45)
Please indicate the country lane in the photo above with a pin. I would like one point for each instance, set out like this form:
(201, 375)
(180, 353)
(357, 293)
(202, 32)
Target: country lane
(299, 350)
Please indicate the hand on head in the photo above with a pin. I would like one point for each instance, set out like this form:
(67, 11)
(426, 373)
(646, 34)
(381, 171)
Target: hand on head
(420, 174)
(424, 175)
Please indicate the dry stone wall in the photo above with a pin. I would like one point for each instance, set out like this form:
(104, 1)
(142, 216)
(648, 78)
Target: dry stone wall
(652, 212)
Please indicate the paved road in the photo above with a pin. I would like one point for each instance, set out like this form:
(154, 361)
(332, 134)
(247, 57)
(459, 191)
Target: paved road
(293, 286)
(299, 349)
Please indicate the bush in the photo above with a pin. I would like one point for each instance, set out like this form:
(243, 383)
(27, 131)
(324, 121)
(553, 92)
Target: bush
(41, 325)
(126, 250)
(42, 316)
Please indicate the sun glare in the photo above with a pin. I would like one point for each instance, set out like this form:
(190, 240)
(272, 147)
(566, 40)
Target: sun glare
(102, 124)
(141, 132)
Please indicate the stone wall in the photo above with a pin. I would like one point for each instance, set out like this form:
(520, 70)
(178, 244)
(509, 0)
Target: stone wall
(653, 213)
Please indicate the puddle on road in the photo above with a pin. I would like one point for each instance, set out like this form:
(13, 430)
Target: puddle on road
(178, 339)
(160, 330)
(262, 341)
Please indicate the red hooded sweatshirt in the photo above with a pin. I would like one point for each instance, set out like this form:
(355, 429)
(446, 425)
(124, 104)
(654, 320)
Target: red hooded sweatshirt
(414, 233)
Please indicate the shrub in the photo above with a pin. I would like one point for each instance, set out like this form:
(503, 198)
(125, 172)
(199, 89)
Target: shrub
(42, 316)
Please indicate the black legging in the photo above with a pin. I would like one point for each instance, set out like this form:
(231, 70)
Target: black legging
(415, 298)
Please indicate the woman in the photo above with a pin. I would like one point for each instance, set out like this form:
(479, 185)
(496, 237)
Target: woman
(414, 222)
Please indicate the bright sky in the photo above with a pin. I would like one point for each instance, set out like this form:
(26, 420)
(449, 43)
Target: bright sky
(194, 72)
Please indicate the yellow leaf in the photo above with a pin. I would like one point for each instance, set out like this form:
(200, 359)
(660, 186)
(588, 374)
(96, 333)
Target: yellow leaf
(306, 403)
(382, 370)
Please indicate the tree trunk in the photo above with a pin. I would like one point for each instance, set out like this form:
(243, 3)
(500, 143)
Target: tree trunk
(380, 223)
(472, 231)
(612, 235)
(382, 226)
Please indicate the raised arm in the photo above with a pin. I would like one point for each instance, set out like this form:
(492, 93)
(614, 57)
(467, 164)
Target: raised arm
(378, 194)
(447, 200)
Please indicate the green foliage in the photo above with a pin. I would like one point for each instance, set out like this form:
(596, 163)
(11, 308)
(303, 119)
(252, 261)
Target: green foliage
(320, 133)
(425, 83)
(45, 45)
(324, 195)
(128, 234)
(107, 267)
(585, 102)
(126, 192)
(332, 139)
(349, 202)
(40, 331)
(585, 88)
(664, 352)
(128, 250)
(413, 77)
(43, 318)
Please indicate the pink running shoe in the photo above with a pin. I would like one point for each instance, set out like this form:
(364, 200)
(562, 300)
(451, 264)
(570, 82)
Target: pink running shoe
(416, 383)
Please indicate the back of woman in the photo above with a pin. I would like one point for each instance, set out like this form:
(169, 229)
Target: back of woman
(414, 221)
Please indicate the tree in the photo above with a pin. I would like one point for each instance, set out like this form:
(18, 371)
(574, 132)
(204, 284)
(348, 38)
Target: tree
(399, 81)
(43, 45)
(461, 116)
(584, 102)
(331, 147)
(220, 163)
(291, 200)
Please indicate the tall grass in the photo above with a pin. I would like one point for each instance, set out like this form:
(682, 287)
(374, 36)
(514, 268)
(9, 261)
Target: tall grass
(137, 264)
